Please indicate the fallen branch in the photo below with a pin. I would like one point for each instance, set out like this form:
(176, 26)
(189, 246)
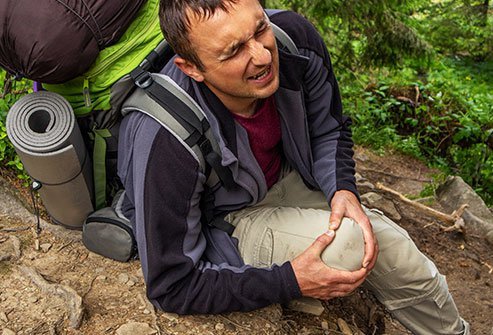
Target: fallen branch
(68, 294)
(455, 219)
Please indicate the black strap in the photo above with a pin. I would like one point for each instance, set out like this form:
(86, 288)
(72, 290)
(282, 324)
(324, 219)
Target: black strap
(177, 108)
(187, 118)
(209, 217)
(222, 224)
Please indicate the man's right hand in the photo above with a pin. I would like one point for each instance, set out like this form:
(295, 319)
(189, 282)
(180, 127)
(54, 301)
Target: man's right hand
(320, 281)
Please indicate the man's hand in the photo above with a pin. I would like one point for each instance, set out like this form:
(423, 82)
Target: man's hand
(345, 204)
(317, 280)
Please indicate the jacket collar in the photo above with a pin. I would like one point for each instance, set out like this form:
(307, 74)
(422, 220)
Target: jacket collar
(291, 70)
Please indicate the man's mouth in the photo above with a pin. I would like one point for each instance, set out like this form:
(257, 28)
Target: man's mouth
(262, 74)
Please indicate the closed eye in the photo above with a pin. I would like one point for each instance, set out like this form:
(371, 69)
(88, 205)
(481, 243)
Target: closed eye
(262, 29)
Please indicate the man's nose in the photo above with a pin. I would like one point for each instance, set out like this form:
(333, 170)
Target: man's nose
(260, 55)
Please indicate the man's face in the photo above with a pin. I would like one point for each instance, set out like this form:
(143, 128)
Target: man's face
(239, 54)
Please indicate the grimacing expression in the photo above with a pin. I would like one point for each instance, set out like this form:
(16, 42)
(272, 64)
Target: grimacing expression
(239, 53)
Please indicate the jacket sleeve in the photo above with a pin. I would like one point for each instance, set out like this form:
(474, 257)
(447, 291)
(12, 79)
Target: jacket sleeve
(164, 186)
(330, 136)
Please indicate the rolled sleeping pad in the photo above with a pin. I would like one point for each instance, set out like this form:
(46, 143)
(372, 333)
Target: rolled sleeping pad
(44, 132)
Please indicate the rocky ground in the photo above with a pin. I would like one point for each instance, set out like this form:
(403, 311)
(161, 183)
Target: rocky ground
(50, 284)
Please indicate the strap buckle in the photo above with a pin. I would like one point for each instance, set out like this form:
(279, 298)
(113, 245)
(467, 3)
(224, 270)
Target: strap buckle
(143, 79)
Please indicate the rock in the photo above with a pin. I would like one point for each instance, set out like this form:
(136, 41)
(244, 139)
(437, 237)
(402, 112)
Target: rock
(325, 325)
(133, 328)
(45, 247)
(343, 326)
(361, 156)
(170, 316)
(16, 243)
(230, 327)
(454, 192)
(365, 187)
(359, 178)
(123, 278)
(180, 328)
(7, 331)
(33, 299)
(219, 326)
(10, 249)
(4, 317)
(306, 305)
(374, 200)
(139, 273)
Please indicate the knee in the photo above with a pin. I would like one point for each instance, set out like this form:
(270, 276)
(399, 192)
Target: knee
(347, 250)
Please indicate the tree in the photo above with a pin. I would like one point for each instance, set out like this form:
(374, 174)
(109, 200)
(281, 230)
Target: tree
(365, 32)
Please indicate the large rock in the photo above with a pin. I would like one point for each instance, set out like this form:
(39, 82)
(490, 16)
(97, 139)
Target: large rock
(454, 192)
(363, 185)
(375, 200)
(134, 328)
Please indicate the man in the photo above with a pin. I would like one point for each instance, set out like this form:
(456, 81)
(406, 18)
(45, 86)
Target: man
(278, 123)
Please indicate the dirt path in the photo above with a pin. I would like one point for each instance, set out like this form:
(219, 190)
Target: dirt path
(113, 296)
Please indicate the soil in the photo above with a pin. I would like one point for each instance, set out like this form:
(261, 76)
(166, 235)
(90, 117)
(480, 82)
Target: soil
(113, 293)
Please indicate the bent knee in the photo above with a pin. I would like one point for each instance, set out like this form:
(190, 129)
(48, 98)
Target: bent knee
(347, 250)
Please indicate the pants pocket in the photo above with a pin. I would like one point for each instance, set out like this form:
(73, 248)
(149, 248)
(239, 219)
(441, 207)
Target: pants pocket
(264, 249)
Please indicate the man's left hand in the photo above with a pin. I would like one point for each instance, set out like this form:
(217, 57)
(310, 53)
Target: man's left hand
(345, 204)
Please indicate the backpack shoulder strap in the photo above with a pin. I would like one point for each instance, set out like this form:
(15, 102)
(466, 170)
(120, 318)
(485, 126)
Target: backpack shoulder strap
(162, 99)
(282, 37)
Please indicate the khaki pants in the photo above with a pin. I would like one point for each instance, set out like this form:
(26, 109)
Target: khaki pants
(291, 216)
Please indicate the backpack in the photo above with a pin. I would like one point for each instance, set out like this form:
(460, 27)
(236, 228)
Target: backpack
(82, 56)
(55, 41)
(105, 230)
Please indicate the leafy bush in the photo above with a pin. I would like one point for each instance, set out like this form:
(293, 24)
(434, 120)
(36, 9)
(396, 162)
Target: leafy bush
(11, 92)
(445, 118)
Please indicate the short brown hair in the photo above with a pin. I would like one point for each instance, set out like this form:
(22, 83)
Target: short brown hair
(175, 23)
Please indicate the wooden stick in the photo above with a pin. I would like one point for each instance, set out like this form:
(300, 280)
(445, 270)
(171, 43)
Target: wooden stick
(455, 219)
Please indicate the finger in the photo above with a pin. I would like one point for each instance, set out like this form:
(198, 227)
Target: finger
(335, 218)
(319, 245)
(352, 277)
(370, 242)
(374, 260)
(347, 288)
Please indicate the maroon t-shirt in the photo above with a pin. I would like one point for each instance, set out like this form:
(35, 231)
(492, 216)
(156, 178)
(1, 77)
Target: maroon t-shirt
(264, 135)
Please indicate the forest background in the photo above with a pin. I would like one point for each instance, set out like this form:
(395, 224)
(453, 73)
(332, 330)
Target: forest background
(415, 76)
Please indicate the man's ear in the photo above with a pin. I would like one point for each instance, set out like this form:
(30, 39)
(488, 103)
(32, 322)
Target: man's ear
(189, 69)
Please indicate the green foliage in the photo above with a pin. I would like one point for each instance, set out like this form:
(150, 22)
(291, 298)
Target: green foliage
(446, 118)
(457, 27)
(416, 76)
(11, 92)
(365, 33)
